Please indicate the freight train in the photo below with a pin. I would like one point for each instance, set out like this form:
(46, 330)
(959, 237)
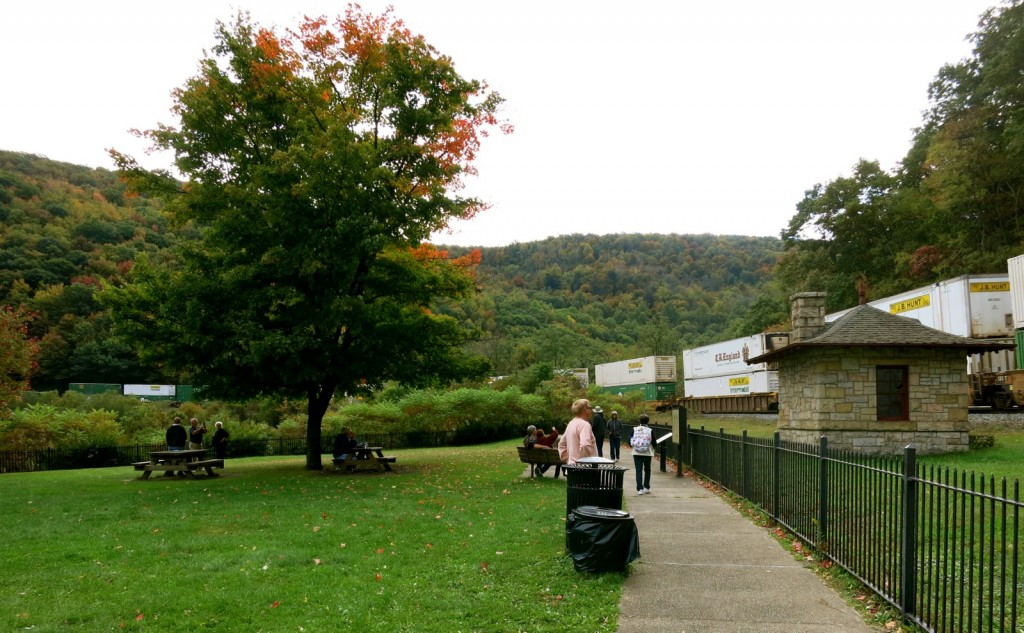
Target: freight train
(717, 378)
(173, 393)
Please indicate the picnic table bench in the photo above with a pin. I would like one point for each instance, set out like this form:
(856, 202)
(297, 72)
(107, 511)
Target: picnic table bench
(541, 457)
(185, 463)
(365, 458)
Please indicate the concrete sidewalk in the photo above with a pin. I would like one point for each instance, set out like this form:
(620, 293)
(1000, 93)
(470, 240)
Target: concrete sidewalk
(704, 568)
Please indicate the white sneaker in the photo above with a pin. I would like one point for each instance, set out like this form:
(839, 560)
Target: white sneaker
(639, 492)
(647, 491)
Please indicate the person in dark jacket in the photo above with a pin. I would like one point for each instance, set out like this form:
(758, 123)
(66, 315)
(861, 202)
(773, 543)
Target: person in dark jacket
(598, 424)
(176, 436)
(614, 427)
(220, 440)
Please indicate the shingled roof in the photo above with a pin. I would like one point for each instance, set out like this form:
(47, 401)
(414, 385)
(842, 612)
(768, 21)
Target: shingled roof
(866, 326)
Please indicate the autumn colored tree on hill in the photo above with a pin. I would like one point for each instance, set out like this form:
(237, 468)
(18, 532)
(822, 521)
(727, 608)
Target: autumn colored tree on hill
(317, 162)
(17, 351)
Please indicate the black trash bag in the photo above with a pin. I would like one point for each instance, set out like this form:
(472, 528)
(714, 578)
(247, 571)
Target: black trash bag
(601, 539)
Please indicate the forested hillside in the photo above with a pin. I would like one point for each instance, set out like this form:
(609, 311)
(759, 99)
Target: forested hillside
(65, 229)
(566, 301)
(577, 300)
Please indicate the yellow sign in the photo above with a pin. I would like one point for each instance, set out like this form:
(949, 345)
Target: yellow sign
(736, 382)
(990, 286)
(914, 303)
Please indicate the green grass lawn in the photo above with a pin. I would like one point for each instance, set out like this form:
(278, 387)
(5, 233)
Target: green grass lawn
(453, 540)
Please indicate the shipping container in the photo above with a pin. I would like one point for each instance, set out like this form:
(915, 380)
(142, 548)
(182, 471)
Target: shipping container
(742, 392)
(975, 306)
(152, 392)
(653, 391)
(93, 388)
(738, 384)
(636, 371)
(581, 374)
(730, 357)
(1015, 270)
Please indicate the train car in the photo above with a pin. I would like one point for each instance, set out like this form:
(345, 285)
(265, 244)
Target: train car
(1013, 380)
(717, 378)
(655, 376)
(94, 388)
(975, 306)
(174, 393)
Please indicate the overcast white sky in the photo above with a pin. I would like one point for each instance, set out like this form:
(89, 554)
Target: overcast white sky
(641, 117)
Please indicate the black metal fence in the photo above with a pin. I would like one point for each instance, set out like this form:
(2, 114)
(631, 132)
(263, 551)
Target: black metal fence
(105, 456)
(939, 545)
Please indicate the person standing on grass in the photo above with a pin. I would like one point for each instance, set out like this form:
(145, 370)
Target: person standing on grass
(220, 440)
(597, 425)
(642, 442)
(176, 436)
(195, 434)
(578, 440)
(614, 435)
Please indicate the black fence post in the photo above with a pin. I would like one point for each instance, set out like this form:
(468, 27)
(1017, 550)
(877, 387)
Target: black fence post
(661, 454)
(721, 456)
(744, 468)
(908, 562)
(681, 441)
(822, 491)
(777, 474)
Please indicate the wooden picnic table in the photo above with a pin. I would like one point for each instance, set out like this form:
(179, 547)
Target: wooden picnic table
(184, 462)
(365, 458)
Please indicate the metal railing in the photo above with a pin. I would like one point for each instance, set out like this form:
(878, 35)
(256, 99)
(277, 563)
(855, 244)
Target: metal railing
(939, 545)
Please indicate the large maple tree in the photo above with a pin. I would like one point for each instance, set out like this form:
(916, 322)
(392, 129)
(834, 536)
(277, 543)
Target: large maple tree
(316, 162)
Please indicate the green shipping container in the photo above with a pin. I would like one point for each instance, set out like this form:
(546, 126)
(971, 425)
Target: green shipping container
(93, 388)
(1018, 338)
(653, 391)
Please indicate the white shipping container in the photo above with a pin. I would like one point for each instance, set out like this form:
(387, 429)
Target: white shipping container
(149, 390)
(739, 384)
(730, 357)
(636, 371)
(975, 306)
(1015, 268)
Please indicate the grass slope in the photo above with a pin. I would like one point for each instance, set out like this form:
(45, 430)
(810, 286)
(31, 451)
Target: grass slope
(454, 540)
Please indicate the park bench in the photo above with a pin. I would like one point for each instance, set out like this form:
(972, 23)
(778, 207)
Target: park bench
(365, 457)
(540, 457)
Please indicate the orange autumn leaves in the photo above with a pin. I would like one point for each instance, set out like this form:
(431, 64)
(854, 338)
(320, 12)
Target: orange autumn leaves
(370, 72)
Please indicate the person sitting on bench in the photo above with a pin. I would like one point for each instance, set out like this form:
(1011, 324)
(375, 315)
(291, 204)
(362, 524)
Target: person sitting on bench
(344, 444)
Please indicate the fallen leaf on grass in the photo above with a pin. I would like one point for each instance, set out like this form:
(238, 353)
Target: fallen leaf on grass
(316, 561)
(140, 616)
(275, 604)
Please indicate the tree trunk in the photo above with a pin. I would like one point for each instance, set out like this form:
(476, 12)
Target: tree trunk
(318, 400)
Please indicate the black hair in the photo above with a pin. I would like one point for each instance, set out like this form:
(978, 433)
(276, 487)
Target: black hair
(644, 418)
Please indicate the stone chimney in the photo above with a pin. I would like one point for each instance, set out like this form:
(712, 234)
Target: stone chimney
(807, 315)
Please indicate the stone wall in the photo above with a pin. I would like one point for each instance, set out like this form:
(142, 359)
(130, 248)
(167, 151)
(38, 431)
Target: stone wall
(831, 392)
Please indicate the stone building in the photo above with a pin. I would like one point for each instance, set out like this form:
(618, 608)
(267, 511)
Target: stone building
(872, 382)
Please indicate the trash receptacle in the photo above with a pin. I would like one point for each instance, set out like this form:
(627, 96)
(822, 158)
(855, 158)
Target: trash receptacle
(601, 539)
(593, 481)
